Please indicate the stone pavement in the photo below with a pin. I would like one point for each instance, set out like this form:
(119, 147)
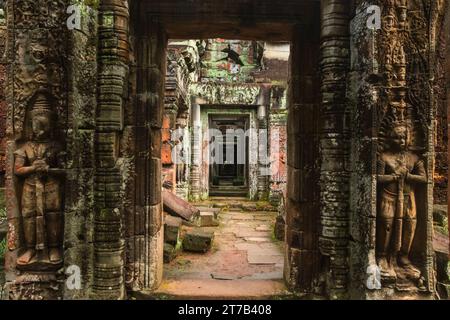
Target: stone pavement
(246, 261)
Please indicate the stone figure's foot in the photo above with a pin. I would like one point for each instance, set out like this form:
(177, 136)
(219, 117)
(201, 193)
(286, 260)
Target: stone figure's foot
(410, 270)
(385, 268)
(55, 255)
(26, 257)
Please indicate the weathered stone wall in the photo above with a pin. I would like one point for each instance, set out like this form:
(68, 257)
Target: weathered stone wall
(441, 148)
(112, 134)
(3, 34)
(389, 88)
(82, 106)
(215, 65)
(182, 69)
(36, 57)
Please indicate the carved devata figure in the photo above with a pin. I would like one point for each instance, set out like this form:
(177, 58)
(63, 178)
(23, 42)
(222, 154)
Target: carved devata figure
(400, 172)
(38, 164)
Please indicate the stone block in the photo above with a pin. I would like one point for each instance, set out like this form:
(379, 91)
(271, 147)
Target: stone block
(444, 290)
(206, 219)
(170, 252)
(172, 227)
(177, 206)
(440, 215)
(198, 240)
(280, 228)
(216, 211)
(442, 267)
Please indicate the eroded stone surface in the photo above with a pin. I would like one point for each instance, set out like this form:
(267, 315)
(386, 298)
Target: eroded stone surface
(198, 240)
(233, 257)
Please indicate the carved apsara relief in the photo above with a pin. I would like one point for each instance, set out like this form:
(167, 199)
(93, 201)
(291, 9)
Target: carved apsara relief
(39, 166)
(214, 93)
(403, 115)
(38, 120)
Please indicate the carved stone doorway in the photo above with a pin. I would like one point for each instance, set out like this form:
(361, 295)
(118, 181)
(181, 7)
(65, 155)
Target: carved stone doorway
(229, 173)
(153, 24)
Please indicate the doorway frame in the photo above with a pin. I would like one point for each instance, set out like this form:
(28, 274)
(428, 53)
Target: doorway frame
(246, 164)
(153, 33)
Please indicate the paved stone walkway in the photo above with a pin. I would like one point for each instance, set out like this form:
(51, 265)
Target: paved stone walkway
(246, 261)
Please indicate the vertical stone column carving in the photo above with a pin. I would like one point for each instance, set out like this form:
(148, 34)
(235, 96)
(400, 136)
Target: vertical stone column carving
(3, 37)
(113, 55)
(263, 150)
(36, 120)
(196, 136)
(302, 203)
(144, 231)
(446, 26)
(335, 175)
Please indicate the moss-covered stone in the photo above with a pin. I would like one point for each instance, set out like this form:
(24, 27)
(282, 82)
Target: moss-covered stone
(170, 252)
(198, 240)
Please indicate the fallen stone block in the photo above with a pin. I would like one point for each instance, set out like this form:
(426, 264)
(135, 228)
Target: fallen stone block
(216, 211)
(172, 227)
(206, 219)
(170, 252)
(198, 240)
(178, 207)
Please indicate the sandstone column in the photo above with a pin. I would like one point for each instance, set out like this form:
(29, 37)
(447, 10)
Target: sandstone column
(263, 152)
(108, 282)
(196, 162)
(334, 140)
(145, 229)
(302, 203)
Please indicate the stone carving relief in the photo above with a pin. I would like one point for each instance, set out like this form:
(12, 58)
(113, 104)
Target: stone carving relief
(38, 53)
(225, 94)
(38, 165)
(403, 117)
(399, 173)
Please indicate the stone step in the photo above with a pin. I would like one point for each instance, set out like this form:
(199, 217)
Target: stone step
(212, 289)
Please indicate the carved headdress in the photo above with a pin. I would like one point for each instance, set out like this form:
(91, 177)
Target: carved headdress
(40, 105)
(390, 128)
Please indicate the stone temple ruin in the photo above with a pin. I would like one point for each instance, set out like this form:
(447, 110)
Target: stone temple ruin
(136, 131)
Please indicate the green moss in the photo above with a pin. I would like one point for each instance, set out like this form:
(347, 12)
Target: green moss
(94, 4)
